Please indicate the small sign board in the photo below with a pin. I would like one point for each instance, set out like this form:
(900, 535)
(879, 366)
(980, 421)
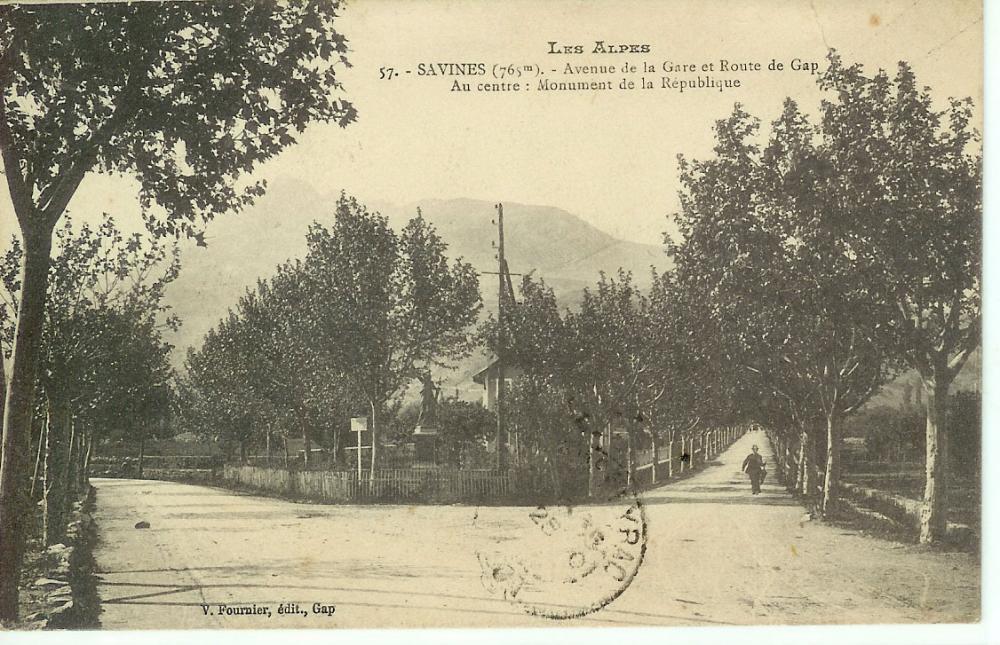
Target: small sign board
(359, 425)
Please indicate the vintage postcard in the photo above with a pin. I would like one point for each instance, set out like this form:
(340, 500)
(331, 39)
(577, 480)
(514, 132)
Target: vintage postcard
(367, 314)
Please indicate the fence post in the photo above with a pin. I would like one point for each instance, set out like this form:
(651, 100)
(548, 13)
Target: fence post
(785, 469)
(656, 459)
(776, 444)
(783, 448)
(670, 459)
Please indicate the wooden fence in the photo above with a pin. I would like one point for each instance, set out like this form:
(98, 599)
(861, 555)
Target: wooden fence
(179, 467)
(664, 462)
(388, 485)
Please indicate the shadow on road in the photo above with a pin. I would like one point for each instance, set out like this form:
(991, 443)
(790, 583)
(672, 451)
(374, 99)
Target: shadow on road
(741, 500)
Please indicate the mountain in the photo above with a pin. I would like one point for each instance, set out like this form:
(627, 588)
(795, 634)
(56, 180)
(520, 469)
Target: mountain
(968, 379)
(556, 245)
(548, 242)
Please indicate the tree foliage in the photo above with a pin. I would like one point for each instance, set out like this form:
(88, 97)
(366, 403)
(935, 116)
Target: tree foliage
(837, 251)
(340, 333)
(186, 98)
(104, 371)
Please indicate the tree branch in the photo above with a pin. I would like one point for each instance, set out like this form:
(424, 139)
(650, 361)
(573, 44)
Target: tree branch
(969, 344)
(20, 192)
(56, 197)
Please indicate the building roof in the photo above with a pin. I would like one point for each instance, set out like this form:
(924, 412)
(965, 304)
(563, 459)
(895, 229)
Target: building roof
(490, 370)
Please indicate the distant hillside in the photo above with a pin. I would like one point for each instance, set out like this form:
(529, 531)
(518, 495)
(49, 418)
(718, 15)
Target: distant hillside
(556, 245)
(563, 249)
(892, 393)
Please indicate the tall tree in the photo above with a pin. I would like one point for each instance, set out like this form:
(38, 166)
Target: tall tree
(688, 384)
(105, 295)
(842, 248)
(185, 97)
(912, 212)
(257, 374)
(385, 306)
(762, 238)
(338, 333)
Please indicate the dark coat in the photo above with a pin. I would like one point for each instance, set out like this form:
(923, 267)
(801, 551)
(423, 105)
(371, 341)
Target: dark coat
(753, 464)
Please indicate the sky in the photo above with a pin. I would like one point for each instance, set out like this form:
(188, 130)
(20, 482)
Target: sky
(608, 157)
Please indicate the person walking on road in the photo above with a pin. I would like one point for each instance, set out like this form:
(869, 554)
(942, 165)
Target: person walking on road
(753, 465)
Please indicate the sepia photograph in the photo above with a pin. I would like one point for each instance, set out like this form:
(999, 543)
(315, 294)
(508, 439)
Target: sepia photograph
(375, 314)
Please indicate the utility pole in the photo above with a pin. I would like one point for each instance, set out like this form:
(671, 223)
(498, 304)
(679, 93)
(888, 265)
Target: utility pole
(505, 294)
(501, 381)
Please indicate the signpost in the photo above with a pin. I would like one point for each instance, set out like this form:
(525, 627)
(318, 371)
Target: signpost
(359, 425)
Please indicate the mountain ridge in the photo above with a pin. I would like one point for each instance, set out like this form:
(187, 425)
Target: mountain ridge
(548, 242)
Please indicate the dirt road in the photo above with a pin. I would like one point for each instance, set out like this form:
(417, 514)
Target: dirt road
(715, 555)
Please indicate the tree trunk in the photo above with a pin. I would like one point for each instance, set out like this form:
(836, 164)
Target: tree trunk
(815, 459)
(516, 452)
(629, 461)
(307, 456)
(371, 468)
(607, 445)
(38, 458)
(3, 384)
(590, 460)
(788, 459)
(85, 474)
(551, 453)
(56, 457)
(16, 443)
(934, 513)
(69, 469)
(656, 455)
(832, 478)
(336, 450)
(803, 469)
(142, 452)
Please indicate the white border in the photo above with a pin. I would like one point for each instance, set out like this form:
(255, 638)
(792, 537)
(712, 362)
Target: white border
(986, 632)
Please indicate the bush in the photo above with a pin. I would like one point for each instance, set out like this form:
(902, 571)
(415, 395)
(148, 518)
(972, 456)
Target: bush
(965, 432)
(898, 434)
(891, 434)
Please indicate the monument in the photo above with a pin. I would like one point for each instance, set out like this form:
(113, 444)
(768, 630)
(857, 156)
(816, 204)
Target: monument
(426, 430)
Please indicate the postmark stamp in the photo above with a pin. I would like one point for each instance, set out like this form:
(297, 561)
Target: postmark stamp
(571, 561)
